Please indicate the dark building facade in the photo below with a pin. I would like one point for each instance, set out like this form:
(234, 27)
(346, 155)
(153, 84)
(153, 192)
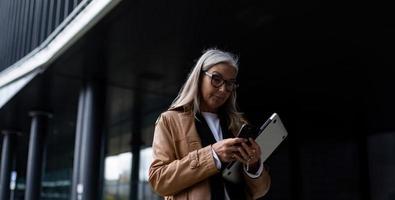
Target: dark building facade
(82, 83)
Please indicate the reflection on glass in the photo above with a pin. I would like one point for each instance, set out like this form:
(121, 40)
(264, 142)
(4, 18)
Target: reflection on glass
(117, 176)
(56, 185)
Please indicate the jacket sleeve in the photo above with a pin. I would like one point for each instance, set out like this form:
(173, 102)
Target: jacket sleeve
(258, 187)
(168, 174)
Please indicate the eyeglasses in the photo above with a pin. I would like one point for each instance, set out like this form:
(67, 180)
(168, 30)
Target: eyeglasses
(217, 81)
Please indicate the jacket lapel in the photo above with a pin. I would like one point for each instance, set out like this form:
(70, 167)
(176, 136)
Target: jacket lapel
(188, 127)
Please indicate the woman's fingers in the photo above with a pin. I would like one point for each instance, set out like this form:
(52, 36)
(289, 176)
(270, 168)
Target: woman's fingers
(254, 144)
(237, 149)
(238, 158)
(244, 154)
(235, 141)
(225, 149)
(250, 153)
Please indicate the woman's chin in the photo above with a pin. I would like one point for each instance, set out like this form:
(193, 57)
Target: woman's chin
(215, 105)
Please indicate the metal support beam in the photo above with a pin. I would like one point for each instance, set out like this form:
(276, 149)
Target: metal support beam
(89, 140)
(37, 143)
(77, 146)
(136, 141)
(7, 157)
(90, 136)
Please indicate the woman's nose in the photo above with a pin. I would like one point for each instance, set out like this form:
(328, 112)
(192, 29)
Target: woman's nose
(222, 88)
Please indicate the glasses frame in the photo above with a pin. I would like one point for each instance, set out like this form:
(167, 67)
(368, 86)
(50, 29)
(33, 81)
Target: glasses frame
(228, 83)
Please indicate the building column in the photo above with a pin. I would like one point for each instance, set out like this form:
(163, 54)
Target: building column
(77, 147)
(136, 144)
(37, 143)
(7, 158)
(89, 154)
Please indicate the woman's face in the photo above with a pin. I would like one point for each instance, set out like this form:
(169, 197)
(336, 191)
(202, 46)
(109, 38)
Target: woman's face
(213, 96)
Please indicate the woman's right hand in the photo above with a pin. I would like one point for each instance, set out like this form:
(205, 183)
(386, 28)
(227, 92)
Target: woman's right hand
(226, 148)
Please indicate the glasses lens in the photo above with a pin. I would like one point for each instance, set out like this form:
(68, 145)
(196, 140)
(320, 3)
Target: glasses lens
(230, 86)
(216, 80)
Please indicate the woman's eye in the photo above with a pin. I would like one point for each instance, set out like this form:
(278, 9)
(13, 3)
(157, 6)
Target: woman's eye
(217, 79)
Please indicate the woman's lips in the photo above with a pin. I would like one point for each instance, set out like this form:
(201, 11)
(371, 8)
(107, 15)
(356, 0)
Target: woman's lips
(219, 97)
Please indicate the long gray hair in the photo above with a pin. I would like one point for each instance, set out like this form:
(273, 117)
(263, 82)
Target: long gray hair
(189, 98)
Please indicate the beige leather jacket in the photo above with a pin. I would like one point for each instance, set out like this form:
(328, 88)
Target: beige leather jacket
(181, 166)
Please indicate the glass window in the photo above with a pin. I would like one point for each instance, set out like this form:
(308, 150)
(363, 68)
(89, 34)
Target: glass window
(118, 172)
(122, 106)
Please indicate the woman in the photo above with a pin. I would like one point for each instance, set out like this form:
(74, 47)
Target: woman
(195, 138)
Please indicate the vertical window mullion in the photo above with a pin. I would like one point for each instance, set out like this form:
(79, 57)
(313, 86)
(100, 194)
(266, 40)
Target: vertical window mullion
(20, 30)
(29, 32)
(50, 17)
(66, 9)
(44, 20)
(75, 3)
(15, 30)
(36, 23)
(57, 13)
(3, 14)
(10, 33)
(24, 29)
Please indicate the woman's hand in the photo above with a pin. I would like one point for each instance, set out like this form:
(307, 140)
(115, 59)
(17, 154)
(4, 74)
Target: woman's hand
(228, 148)
(249, 155)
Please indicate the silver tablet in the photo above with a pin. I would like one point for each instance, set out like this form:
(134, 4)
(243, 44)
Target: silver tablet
(269, 136)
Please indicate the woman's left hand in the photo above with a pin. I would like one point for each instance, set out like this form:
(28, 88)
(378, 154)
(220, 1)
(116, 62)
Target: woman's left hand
(249, 154)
